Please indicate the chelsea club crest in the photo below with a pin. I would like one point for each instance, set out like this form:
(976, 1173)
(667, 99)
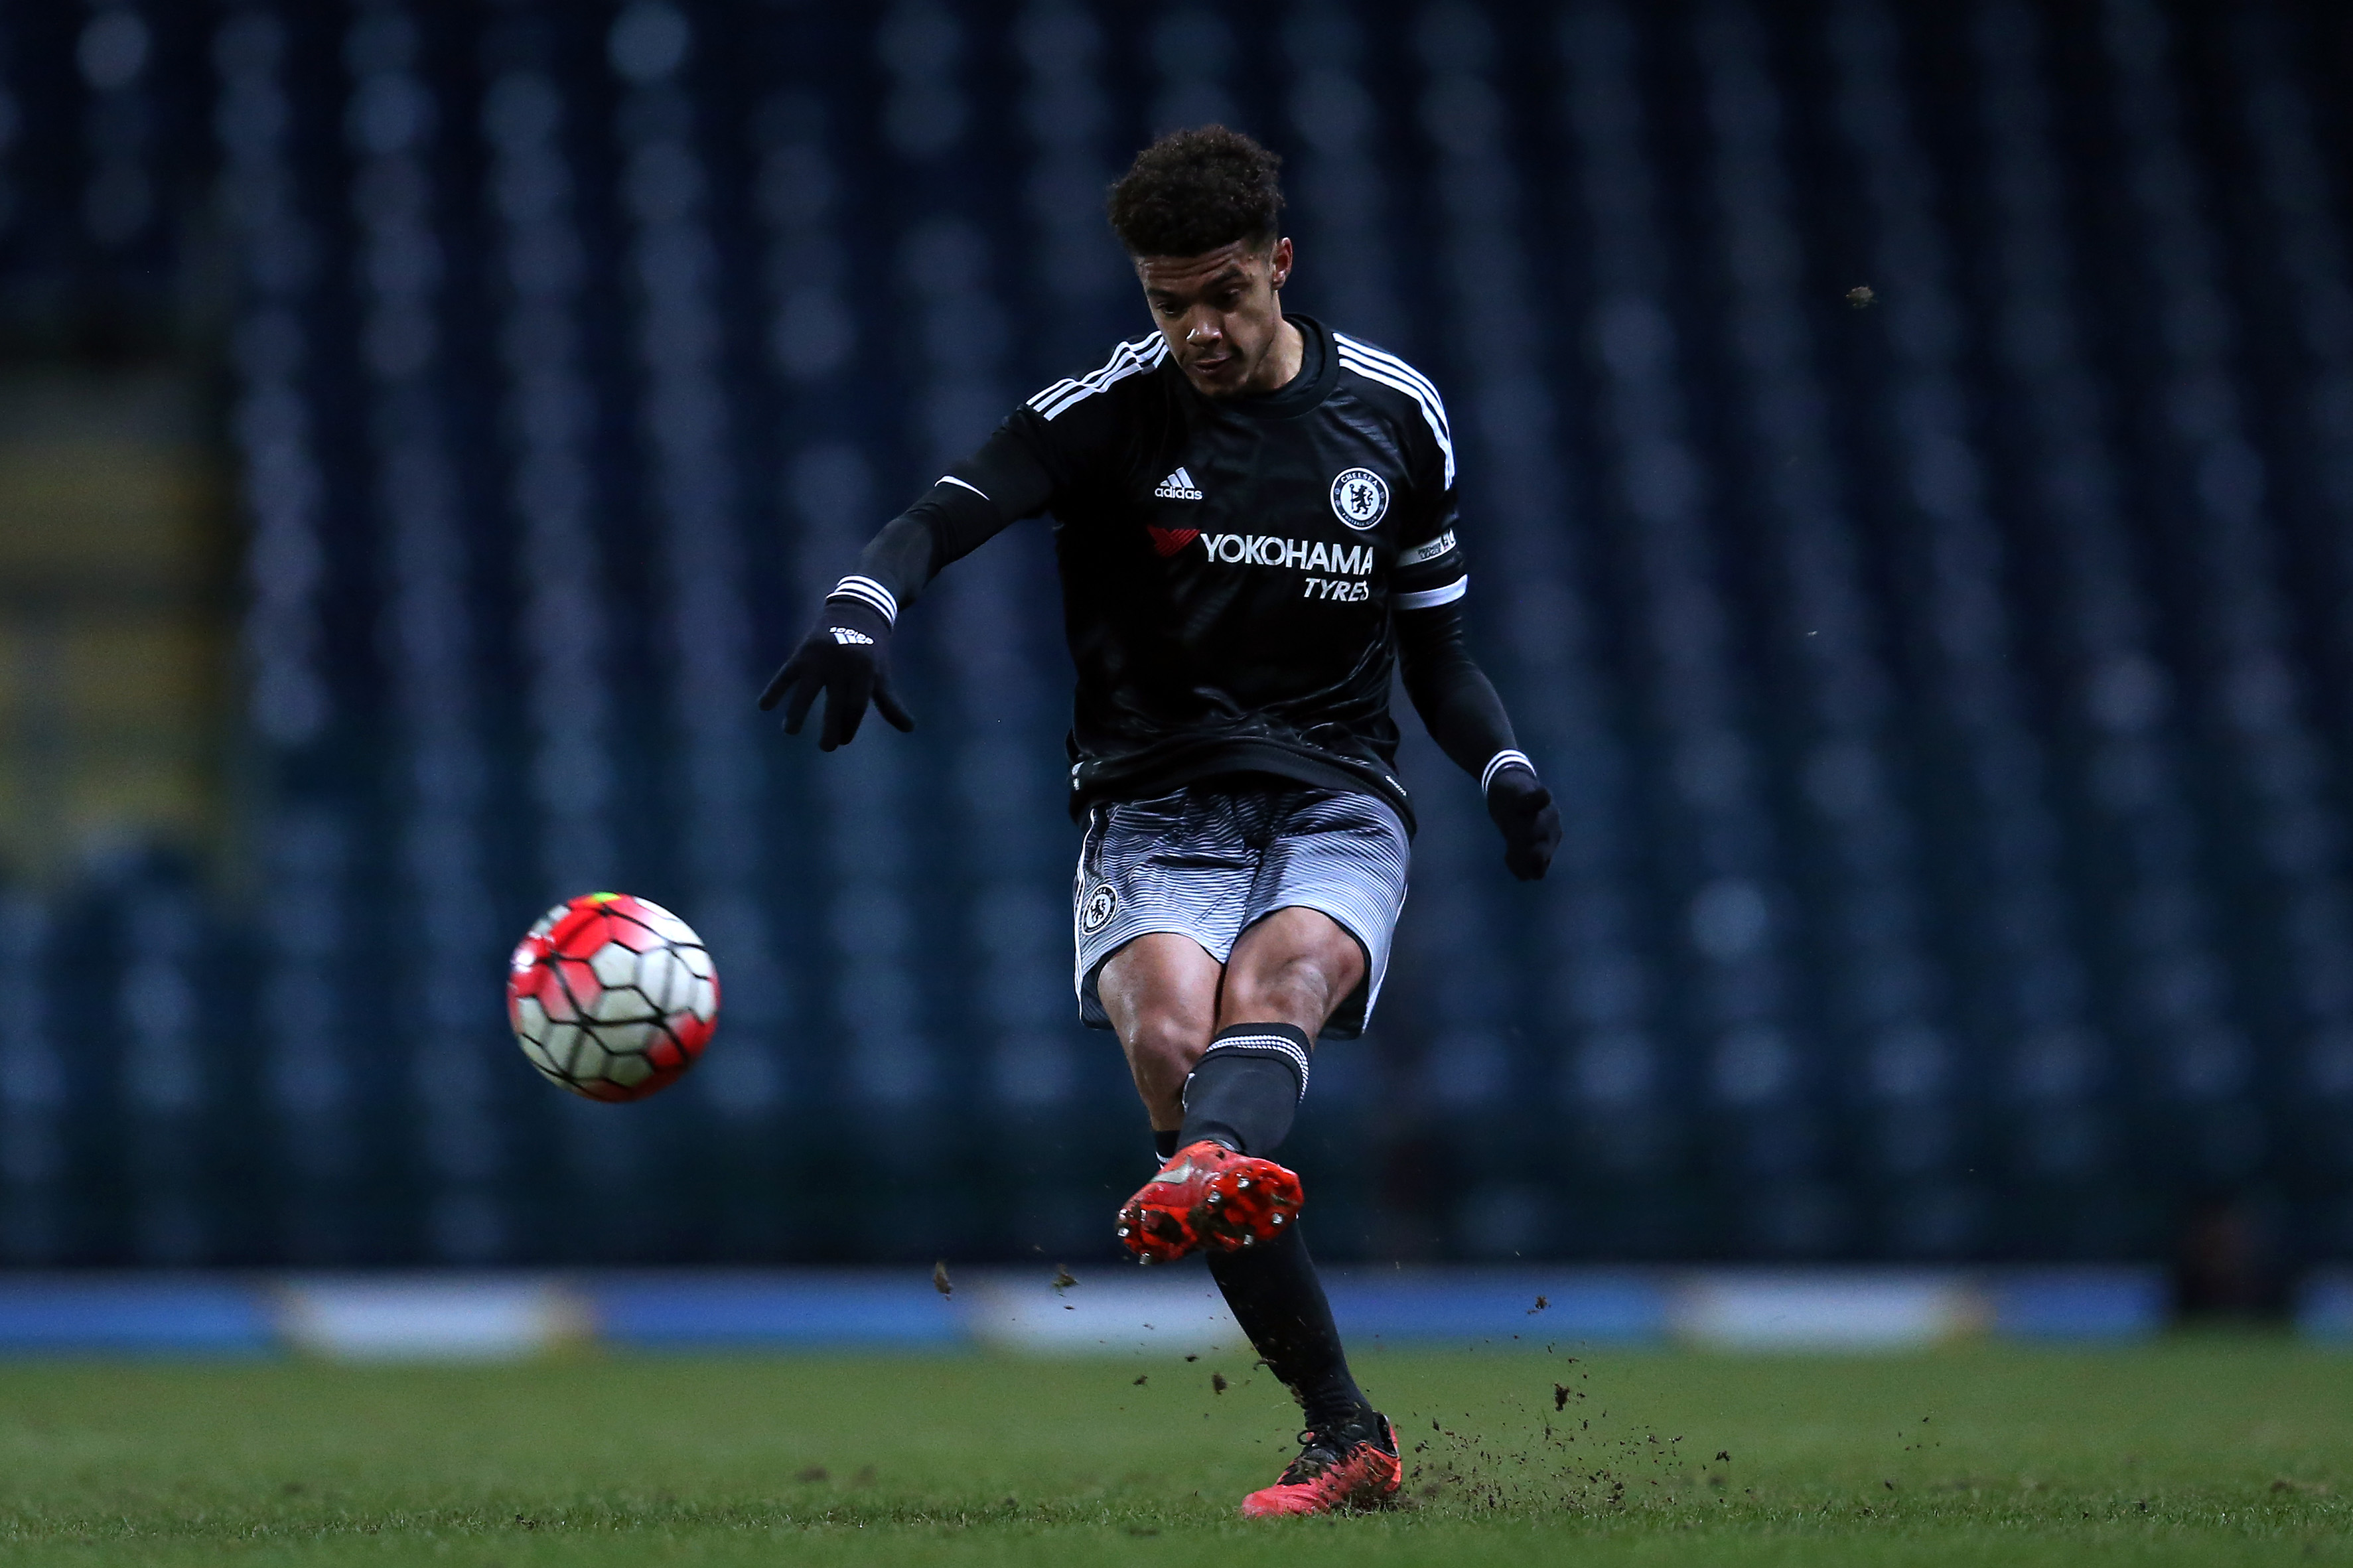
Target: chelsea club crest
(1360, 498)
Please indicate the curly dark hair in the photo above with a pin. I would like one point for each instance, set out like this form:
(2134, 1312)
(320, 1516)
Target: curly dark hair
(1193, 191)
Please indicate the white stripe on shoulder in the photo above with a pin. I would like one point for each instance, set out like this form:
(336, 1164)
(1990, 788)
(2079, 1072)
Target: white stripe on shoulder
(1364, 350)
(1088, 386)
(1432, 411)
(1397, 372)
(965, 484)
(1118, 356)
(1429, 599)
(1130, 359)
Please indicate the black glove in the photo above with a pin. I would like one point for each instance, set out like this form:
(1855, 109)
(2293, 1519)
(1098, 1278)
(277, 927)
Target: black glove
(1523, 808)
(847, 656)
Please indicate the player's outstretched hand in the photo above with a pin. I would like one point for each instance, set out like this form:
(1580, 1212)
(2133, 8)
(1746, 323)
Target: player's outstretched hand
(1523, 808)
(847, 656)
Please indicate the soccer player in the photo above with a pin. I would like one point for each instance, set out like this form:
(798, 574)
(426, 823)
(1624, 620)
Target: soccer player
(1254, 517)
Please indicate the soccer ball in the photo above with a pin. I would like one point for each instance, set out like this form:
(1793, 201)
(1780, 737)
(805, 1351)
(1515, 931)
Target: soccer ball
(612, 996)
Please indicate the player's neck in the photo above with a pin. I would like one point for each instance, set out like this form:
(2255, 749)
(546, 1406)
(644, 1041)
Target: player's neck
(1281, 367)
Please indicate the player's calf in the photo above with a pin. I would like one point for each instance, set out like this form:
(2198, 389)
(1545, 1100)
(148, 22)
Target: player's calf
(1246, 1090)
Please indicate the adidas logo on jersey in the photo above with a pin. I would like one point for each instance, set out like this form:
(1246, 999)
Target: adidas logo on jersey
(848, 639)
(1179, 485)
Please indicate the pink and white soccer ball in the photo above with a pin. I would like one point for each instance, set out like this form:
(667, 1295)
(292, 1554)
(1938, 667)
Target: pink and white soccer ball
(612, 996)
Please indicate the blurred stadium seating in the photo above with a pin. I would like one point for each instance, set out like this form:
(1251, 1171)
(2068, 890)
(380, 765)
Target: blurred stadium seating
(1908, 463)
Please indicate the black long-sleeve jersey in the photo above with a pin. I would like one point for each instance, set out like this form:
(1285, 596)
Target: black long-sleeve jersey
(1233, 570)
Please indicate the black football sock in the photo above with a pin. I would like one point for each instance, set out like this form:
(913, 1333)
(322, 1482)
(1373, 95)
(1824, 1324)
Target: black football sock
(1164, 1143)
(1281, 1305)
(1246, 1088)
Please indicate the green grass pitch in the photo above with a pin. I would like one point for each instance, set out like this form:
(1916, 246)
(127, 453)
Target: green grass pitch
(2197, 1451)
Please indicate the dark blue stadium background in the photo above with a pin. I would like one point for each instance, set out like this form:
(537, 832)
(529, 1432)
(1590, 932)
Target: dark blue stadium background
(1945, 688)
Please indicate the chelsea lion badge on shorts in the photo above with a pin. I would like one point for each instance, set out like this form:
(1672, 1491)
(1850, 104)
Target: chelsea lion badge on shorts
(1100, 905)
(1360, 498)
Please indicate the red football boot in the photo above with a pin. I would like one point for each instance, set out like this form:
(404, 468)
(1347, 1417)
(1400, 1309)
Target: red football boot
(1209, 1196)
(1351, 1468)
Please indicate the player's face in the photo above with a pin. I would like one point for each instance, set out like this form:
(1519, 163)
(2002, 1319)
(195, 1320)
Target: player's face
(1221, 313)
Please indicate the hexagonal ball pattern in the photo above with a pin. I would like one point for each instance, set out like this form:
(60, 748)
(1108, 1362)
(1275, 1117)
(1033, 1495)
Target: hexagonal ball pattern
(612, 996)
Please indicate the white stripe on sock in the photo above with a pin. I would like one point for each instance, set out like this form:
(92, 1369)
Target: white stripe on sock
(1261, 1045)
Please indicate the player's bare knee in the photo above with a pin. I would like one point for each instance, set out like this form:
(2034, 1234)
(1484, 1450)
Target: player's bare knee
(1170, 1043)
(1162, 1048)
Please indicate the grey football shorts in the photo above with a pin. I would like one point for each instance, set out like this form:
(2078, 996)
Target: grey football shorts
(1207, 863)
